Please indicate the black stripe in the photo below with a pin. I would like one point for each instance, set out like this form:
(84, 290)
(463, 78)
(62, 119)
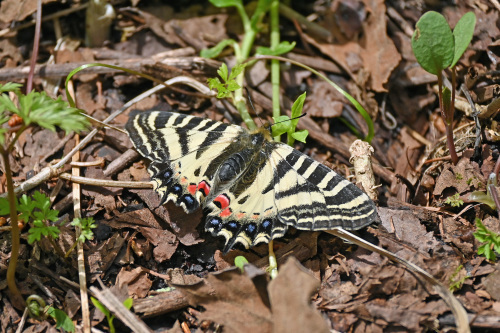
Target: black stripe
(305, 165)
(212, 137)
(318, 174)
(183, 140)
(161, 119)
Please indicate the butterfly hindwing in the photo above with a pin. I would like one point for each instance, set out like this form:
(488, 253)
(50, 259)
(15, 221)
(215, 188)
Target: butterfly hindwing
(251, 187)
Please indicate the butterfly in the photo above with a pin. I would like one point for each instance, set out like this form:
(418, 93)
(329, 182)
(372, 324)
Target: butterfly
(251, 187)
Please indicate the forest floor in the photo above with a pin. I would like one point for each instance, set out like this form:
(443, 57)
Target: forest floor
(141, 248)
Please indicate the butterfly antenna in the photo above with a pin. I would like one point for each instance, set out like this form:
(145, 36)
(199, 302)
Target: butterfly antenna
(302, 115)
(251, 105)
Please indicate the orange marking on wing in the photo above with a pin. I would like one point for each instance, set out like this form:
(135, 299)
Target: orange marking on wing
(223, 201)
(192, 188)
(225, 213)
(240, 215)
(204, 188)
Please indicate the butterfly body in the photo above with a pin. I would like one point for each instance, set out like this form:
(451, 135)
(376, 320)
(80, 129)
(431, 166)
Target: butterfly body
(252, 187)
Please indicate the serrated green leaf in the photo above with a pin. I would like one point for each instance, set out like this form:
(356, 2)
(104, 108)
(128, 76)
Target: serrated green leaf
(300, 135)
(226, 3)
(236, 70)
(213, 52)
(223, 72)
(214, 83)
(281, 48)
(232, 86)
(10, 86)
(63, 321)
(463, 33)
(433, 42)
(7, 103)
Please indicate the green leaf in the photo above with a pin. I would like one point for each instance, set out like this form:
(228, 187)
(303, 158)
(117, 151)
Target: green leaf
(240, 262)
(282, 124)
(223, 72)
(63, 321)
(463, 33)
(10, 86)
(4, 206)
(217, 49)
(492, 240)
(226, 3)
(26, 207)
(38, 108)
(232, 86)
(128, 303)
(281, 48)
(433, 42)
(300, 135)
(100, 306)
(236, 70)
(86, 225)
(297, 107)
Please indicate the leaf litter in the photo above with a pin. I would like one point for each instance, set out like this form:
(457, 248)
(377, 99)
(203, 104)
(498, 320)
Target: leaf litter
(336, 286)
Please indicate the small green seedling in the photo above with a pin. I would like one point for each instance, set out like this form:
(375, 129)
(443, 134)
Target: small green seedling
(436, 48)
(38, 309)
(110, 317)
(228, 86)
(240, 262)
(491, 240)
(456, 284)
(283, 124)
(454, 200)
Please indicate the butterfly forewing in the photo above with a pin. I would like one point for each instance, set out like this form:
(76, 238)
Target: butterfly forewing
(252, 187)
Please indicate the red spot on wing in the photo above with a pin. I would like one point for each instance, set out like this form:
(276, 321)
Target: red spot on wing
(240, 216)
(203, 187)
(222, 201)
(192, 188)
(225, 213)
(183, 180)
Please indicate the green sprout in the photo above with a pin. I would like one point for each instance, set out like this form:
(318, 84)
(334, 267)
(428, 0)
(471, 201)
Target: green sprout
(490, 238)
(436, 48)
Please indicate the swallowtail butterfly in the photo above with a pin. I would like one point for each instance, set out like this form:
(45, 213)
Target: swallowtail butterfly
(251, 187)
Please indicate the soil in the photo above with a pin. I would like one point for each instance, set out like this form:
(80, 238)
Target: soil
(162, 258)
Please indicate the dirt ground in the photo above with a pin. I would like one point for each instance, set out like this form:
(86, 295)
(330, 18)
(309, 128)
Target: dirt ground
(175, 271)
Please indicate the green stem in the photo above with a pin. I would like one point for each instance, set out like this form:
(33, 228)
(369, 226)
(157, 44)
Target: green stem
(15, 232)
(275, 65)
(241, 56)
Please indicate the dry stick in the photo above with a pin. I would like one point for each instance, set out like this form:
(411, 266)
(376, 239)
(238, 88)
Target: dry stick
(52, 171)
(113, 304)
(84, 299)
(105, 182)
(459, 312)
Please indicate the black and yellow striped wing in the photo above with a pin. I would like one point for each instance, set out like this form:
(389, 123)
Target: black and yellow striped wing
(251, 187)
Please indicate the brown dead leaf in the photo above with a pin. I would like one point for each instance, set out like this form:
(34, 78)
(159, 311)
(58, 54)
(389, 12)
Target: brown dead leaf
(407, 228)
(290, 296)
(465, 176)
(183, 225)
(164, 241)
(14, 10)
(324, 101)
(101, 256)
(408, 319)
(136, 280)
(492, 285)
(231, 299)
(375, 53)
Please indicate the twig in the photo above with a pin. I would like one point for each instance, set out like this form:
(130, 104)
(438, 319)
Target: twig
(104, 182)
(84, 299)
(361, 152)
(36, 44)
